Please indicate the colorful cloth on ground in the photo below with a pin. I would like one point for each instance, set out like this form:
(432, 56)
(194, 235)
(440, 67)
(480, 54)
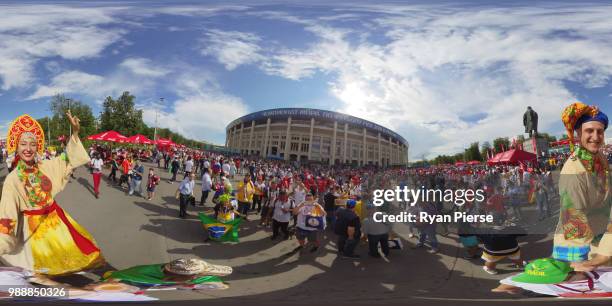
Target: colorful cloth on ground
(584, 186)
(152, 275)
(48, 240)
(221, 231)
(22, 125)
(576, 114)
(597, 284)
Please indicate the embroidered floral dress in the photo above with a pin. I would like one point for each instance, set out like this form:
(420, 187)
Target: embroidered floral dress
(584, 189)
(35, 233)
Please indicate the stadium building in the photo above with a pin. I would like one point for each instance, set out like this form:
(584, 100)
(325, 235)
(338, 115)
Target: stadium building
(313, 135)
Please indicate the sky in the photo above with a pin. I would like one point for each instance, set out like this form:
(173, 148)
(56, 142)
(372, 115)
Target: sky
(441, 74)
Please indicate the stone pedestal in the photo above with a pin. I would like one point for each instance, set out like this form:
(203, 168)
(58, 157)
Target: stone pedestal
(540, 143)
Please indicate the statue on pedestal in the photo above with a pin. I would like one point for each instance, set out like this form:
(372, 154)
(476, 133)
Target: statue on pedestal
(530, 121)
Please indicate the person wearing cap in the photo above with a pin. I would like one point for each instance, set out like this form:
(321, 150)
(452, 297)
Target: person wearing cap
(348, 229)
(553, 277)
(584, 187)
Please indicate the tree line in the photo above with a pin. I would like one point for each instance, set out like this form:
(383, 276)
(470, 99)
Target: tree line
(480, 152)
(118, 114)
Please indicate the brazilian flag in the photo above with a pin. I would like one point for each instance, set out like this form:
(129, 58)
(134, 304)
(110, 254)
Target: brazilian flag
(221, 231)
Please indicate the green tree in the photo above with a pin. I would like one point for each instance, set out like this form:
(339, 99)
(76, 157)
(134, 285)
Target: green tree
(548, 137)
(121, 115)
(499, 142)
(472, 153)
(484, 149)
(58, 122)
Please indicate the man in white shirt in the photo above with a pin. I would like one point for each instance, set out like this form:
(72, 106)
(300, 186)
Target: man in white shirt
(188, 167)
(226, 168)
(185, 191)
(206, 186)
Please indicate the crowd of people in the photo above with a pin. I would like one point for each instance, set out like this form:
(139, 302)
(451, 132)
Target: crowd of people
(308, 200)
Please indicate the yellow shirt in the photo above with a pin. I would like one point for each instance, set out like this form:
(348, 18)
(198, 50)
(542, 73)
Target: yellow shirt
(245, 193)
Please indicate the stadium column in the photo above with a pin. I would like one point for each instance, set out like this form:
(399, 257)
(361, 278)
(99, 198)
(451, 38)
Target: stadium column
(228, 136)
(312, 122)
(379, 152)
(288, 139)
(344, 155)
(332, 160)
(364, 156)
(266, 141)
(252, 133)
(240, 137)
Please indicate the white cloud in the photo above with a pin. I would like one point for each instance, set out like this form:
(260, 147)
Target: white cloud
(139, 81)
(440, 64)
(201, 112)
(232, 48)
(31, 32)
(143, 67)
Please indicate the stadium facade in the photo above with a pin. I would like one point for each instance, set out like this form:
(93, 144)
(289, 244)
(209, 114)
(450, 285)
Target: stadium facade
(313, 135)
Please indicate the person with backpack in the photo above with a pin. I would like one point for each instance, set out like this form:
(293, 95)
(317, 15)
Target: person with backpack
(348, 229)
(281, 214)
(174, 168)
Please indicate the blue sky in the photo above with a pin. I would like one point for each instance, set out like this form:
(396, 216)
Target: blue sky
(442, 75)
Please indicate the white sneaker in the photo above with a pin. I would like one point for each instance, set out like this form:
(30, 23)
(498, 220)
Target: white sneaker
(490, 271)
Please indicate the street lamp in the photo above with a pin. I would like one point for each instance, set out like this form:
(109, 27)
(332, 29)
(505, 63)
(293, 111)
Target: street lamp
(161, 100)
(69, 125)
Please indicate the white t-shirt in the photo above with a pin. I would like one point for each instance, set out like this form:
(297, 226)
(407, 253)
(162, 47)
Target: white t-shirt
(299, 196)
(601, 280)
(188, 165)
(206, 182)
(279, 215)
(97, 164)
(226, 168)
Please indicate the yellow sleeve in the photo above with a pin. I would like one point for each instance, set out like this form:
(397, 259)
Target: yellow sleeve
(9, 216)
(58, 169)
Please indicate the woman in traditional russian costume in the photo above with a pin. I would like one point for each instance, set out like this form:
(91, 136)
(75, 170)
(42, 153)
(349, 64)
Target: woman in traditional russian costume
(35, 233)
(584, 189)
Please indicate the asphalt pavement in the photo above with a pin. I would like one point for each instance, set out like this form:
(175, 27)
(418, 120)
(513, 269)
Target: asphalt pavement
(133, 231)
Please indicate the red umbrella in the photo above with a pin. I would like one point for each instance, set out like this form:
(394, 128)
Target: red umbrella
(473, 162)
(139, 139)
(109, 136)
(164, 142)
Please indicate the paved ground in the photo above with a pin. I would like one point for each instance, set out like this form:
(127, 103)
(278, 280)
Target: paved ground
(132, 231)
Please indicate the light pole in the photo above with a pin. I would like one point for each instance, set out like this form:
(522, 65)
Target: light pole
(69, 125)
(161, 100)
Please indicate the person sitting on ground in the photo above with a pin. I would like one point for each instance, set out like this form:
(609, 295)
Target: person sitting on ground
(500, 242)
